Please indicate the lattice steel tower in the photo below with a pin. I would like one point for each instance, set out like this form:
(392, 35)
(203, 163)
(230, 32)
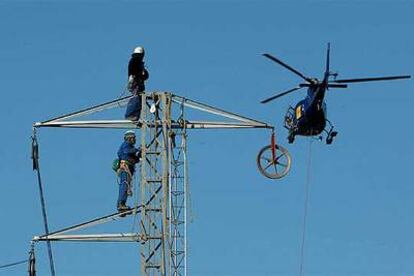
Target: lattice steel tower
(162, 207)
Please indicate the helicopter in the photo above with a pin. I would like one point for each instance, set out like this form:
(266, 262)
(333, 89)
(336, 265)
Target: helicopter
(309, 117)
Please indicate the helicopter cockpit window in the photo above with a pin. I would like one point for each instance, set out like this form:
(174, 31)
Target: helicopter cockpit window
(289, 118)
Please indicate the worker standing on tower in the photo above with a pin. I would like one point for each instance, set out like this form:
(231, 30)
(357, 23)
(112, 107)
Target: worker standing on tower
(128, 156)
(137, 75)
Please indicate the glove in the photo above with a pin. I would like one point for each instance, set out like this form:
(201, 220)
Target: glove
(139, 154)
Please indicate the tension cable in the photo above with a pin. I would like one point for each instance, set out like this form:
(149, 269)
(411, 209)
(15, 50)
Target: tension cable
(13, 264)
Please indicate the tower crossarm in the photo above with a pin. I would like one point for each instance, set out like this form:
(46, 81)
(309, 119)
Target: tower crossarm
(119, 237)
(94, 222)
(127, 124)
(233, 120)
(214, 110)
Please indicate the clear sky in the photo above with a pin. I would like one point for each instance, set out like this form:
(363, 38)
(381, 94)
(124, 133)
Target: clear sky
(57, 57)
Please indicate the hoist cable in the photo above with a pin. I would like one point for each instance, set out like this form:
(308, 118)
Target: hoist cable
(305, 208)
(35, 157)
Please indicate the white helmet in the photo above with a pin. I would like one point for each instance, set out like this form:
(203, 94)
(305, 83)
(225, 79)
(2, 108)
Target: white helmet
(139, 50)
(129, 133)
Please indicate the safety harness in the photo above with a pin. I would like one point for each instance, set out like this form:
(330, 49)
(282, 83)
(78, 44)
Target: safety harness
(124, 167)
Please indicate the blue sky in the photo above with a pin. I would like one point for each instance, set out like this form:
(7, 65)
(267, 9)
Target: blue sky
(59, 57)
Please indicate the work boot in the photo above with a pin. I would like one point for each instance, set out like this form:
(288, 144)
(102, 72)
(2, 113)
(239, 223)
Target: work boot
(123, 207)
(132, 118)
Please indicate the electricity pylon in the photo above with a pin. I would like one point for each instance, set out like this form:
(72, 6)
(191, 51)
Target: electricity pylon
(163, 201)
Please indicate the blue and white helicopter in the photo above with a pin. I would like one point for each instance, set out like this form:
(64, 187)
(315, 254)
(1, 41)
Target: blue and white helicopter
(308, 118)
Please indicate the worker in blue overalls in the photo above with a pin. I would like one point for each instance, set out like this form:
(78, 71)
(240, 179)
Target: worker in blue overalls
(137, 75)
(128, 156)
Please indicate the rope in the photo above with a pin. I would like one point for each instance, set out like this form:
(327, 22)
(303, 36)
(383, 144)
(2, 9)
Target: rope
(35, 156)
(305, 207)
(123, 91)
(13, 264)
(135, 200)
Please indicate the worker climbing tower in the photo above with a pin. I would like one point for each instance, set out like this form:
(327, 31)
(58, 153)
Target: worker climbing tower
(161, 207)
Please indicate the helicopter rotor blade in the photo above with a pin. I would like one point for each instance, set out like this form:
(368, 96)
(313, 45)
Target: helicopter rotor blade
(269, 56)
(327, 60)
(372, 79)
(280, 95)
(334, 85)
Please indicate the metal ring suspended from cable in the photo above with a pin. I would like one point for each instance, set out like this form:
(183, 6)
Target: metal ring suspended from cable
(274, 161)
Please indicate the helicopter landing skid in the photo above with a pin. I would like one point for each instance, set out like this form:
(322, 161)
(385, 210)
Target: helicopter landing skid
(291, 137)
(331, 134)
